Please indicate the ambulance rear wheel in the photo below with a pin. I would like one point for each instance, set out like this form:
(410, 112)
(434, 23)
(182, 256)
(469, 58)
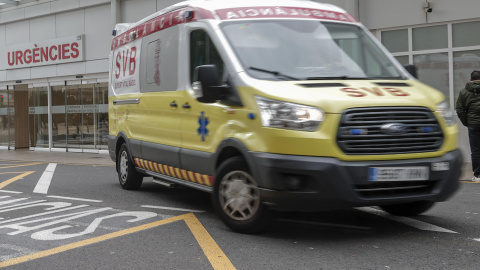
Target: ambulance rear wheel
(236, 198)
(408, 209)
(128, 177)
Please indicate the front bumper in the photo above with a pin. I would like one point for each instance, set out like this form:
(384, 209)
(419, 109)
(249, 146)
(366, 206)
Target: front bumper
(329, 183)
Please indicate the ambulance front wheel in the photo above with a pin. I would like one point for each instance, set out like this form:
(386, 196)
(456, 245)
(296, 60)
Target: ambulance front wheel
(128, 177)
(236, 198)
(408, 209)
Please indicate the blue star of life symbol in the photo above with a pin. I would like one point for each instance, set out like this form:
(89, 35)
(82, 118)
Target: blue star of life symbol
(202, 129)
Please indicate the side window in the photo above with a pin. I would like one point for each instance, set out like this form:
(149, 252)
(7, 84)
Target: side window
(159, 58)
(203, 52)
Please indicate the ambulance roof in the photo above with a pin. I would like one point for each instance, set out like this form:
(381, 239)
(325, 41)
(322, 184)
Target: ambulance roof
(213, 6)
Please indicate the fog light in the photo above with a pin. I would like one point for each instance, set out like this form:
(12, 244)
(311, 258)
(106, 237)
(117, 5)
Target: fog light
(293, 182)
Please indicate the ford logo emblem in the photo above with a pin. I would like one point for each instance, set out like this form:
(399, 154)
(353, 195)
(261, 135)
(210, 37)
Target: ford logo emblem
(394, 129)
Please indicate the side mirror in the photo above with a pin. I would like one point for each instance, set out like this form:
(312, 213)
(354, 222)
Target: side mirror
(412, 70)
(206, 84)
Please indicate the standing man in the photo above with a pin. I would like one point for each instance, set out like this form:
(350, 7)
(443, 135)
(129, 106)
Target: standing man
(468, 111)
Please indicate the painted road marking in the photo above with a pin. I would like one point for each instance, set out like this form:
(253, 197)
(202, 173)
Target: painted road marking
(9, 191)
(44, 182)
(215, 255)
(11, 180)
(171, 208)
(405, 220)
(73, 198)
(22, 165)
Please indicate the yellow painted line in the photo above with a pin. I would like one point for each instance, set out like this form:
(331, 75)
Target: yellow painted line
(215, 255)
(23, 165)
(11, 180)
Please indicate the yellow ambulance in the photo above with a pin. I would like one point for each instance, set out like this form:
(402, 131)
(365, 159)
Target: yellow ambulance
(275, 105)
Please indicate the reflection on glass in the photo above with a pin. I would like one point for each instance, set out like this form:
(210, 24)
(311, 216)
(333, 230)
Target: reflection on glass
(59, 125)
(463, 65)
(38, 116)
(4, 138)
(101, 125)
(429, 38)
(433, 70)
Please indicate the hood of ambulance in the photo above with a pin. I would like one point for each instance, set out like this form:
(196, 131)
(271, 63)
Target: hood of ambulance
(339, 95)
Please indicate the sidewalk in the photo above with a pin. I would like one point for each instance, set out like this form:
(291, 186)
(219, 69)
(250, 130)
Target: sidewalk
(57, 157)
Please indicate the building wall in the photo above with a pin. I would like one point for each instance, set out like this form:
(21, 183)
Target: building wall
(48, 20)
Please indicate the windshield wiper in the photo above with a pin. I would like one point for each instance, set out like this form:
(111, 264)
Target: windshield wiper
(276, 73)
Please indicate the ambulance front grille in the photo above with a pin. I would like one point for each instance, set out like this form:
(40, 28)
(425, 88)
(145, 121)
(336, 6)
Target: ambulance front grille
(389, 130)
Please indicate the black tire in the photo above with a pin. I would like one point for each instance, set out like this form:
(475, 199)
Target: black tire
(408, 209)
(236, 198)
(128, 177)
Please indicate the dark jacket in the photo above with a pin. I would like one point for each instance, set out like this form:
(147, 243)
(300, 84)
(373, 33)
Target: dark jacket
(468, 104)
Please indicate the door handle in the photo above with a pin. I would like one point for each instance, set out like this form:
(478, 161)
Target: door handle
(173, 104)
(186, 106)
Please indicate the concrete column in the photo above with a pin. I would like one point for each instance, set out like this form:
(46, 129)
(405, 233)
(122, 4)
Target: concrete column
(116, 16)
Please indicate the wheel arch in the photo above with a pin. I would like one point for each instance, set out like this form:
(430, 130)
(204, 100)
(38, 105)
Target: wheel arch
(232, 147)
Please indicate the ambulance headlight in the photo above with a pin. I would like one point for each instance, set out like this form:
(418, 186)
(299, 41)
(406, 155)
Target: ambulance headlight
(444, 110)
(280, 114)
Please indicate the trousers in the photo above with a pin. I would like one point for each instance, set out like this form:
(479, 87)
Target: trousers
(474, 138)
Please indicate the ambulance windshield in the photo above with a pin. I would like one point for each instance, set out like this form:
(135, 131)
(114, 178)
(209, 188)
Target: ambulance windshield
(307, 50)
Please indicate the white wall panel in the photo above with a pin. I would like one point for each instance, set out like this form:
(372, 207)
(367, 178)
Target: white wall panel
(17, 32)
(37, 10)
(134, 10)
(376, 14)
(97, 32)
(3, 75)
(18, 74)
(448, 10)
(84, 3)
(161, 4)
(63, 5)
(96, 66)
(70, 23)
(42, 28)
(13, 15)
(43, 72)
(71, 69)
(3, 48)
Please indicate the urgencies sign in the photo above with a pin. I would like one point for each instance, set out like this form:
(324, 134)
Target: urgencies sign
(46, 52)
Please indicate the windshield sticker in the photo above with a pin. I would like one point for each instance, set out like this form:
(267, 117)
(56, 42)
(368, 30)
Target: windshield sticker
(202, 129)
(282, 12)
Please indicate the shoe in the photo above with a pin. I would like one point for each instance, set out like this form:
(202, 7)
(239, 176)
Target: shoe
(476, 179)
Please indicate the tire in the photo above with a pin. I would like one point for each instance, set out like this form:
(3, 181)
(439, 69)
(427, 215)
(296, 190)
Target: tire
(236, 198)
(128, 177)
(408, 209)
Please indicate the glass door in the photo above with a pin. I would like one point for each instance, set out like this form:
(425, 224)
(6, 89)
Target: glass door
(7, 128)
(73, 101)
(38, 116)
(59, 119)
(101, 123)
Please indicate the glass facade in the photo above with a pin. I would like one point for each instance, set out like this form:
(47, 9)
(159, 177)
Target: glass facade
(76, 119)
(445, 54)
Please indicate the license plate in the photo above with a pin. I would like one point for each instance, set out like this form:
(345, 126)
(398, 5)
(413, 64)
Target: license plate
(398, 173)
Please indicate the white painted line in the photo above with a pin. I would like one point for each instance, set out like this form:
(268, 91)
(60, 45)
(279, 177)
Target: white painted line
(74, 199)
(405, 220)
(171, 208)
(8, 191)
(44, 182)
(478, 239)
